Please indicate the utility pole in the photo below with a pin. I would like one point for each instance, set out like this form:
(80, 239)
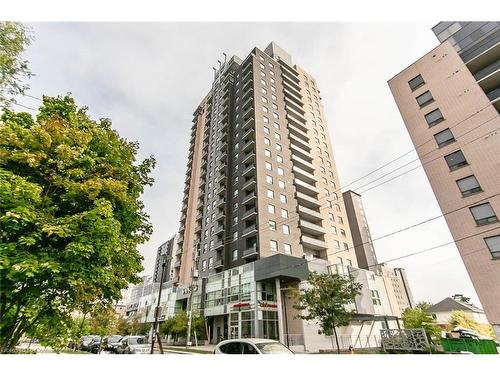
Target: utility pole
(190, 298)
(156, 334)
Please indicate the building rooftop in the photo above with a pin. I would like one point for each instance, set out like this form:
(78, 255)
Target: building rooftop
(454, 303)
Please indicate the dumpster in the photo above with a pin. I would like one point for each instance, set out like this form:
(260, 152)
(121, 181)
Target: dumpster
(473, 345)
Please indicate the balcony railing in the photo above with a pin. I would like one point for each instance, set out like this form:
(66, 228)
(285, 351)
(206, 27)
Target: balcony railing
(250, 252)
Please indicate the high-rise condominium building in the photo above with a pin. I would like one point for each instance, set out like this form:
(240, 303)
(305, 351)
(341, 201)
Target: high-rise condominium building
(449, 100)
(261, 177)
(164, 254)
(262, 207)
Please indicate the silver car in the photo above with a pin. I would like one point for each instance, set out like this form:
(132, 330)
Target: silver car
(251, 346)
(134, 345)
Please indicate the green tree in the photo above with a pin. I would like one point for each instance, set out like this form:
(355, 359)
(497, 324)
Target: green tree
(423, 305)
(102, 321)
(327, 300)
(461, 319)
(71, 217)
(14, 38)
(418, 317)
(122, 326)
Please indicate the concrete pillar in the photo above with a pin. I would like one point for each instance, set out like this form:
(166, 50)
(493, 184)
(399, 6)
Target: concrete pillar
(281, 322)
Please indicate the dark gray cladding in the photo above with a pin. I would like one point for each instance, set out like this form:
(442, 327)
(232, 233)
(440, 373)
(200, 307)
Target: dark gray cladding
(280, 265)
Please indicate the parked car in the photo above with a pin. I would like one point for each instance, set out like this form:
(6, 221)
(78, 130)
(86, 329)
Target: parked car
(95, 344)
(110, 343)
(133, 345)
(251, 346)
(85, 342)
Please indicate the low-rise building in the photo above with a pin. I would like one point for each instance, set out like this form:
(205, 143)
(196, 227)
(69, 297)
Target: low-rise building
(444, 309)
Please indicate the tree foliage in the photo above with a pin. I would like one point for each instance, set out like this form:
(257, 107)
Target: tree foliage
(327, 300)
(461, 319)
(177, 325)
(70, 216)
(14, 38)
(419, 317)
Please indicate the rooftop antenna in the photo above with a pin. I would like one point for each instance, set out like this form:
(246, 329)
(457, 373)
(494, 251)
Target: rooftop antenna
(215, 71)
(225, 57)
(220, 63)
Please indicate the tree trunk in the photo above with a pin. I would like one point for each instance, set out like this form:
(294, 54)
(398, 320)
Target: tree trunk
(336, 340)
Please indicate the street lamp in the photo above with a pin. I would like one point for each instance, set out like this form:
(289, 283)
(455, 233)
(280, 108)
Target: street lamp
(156, 334)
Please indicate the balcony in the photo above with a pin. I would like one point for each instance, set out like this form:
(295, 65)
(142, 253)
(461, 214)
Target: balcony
(292, 88)
(248, 198)
(299, 133)
(301, 124)
(248, 113)
(248, 74)
(248, 82)
(248, 145)
(218, 263)
(247, 94)
(300, 152)
(295, 114)
(294, 140)
(250, 252)
(310, 228)
(309, 214)
(220, 203)
(249, 214)
(247, 103)
(221, 190)
(291, 72)
(249, 134)
(252, 229)
(222, 168)
(292, 97)
(249, 158)
(222, 179)
(197, 229)
(303, 175)
(219, 229)
(220, 215)
(222, 137)
(313, 243)
(219, 245)
(301, 163)
(249, 171)
(177, 264)
(247, 123)
(250, 184)
(493, 95)
(304, 187)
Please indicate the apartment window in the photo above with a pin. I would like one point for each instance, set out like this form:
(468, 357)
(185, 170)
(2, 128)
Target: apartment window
(336, 244)
(235, 220)
(286, 229)
(340, 260)
(271, 72)
(337, 207)
(341, 221)
(235, 255)
(262, 82)
(266, 130)
(210, 262)
(265, 119)
(271, 209)
(277, 126)
(262, 73)
(275, 106)
(444, 138)
(281, 184)
(376, 298)
(263, 90)
(283, 198)
(434, 117)
(322, 169)
(277, 136)
(349, 262)
(264, 99)
(272, 80)
(330, 216)
(281, 171)
(273, 97)
(278, 147)
(264, 109)
(342, 232)
(269, 166)
(493, 244)
(469, 185)
(235, 236)
(416, 82)
(276, 116)
(272, 225)
(346, 246)
(288, 248)
(204, 265)
(269, 179)
(284, 213)
(334, 230)
(205, 247)
(267, 153)
(270, 194)
(456, 160)
(271, 65)
(262, 66)
(273, 89)
(279, 158)
(424, 99)
(267, 141)
(483, 214)
(261, 58)
(273, 245)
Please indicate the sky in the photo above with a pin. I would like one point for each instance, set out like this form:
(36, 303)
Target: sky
(148, 78)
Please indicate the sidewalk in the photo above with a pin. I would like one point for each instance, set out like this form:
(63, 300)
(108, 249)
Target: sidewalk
(181, 349)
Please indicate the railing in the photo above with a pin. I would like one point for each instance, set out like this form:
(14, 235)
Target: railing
(487, 71)
(493, 95)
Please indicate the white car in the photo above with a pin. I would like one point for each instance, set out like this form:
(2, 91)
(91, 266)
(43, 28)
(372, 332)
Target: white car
(251, 346)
